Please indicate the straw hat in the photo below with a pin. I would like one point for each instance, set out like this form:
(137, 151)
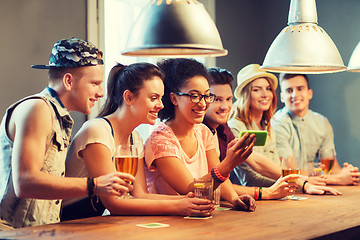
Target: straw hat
(249, 74)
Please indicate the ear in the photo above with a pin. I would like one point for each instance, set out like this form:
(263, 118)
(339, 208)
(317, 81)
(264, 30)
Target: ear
(282, 97)
(310, 94)
(68, 79)
(128, 97)
(173, 98)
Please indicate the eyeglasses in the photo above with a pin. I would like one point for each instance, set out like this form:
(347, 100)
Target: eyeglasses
(196, 97)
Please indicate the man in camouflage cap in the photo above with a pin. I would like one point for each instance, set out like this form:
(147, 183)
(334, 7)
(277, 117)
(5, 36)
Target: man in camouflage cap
(73, 52)
(35, 134)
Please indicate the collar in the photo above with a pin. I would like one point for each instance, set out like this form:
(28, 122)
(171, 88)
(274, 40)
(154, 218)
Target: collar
(296, 118)
(55, 95)
(54, 99)
(211, 129)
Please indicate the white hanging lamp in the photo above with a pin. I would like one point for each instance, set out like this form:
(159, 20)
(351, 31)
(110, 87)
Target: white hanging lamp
(354, 62)
(303, 46)
(174, 28)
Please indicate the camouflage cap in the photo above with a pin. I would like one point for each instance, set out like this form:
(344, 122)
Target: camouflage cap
(73, 52)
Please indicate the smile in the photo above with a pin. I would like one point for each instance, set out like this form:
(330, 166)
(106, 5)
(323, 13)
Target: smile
(199, 112)
(296, 101)
(92, 101)
(222, 114)
(154, 114)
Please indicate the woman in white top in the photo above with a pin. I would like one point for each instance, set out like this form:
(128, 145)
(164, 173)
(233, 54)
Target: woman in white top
(134, 97)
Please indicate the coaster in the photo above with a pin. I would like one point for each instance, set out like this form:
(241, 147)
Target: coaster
(196, 217)
(153, 225)
(222, 209)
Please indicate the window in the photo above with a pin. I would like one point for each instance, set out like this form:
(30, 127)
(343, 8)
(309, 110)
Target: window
(110, 31)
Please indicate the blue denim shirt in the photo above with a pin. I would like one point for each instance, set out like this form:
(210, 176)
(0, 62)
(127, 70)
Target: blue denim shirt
(29, 212)
(302, 137)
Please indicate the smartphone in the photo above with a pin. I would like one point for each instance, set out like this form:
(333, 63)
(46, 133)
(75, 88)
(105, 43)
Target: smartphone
(260, 136)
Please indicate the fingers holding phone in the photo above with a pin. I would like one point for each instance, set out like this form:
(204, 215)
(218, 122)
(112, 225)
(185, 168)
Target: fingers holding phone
(260, 136)
(240, 149)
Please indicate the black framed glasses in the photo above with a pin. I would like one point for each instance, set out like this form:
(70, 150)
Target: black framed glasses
(196, 97)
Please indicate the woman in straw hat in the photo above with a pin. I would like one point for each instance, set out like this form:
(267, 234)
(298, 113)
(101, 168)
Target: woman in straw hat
(253, 110)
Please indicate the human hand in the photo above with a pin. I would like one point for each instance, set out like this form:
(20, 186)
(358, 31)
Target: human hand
(354, 172)
(317, 180)
(244, 202)
(348, 175)
(315, 189)
(283, 187)
(240, 149)
(192, 206)
(116, 183)
(349, 165)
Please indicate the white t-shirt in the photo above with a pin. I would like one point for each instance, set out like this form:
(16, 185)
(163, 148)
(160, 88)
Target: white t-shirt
(95, 130)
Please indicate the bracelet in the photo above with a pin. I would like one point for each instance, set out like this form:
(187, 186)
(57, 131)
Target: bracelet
(256, 193)
(303, 187)
(218, 174)
(215, 177)
(90, 186)
(260, 193)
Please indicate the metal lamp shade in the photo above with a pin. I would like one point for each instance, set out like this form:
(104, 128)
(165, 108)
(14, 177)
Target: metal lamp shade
(354, 62)
(178, 28)
(303, 46)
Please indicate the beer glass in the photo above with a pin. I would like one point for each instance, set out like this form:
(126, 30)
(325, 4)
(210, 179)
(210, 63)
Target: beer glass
(126, 160)
(217, 197)
(327, 159)
(289, 165)
(314, 169)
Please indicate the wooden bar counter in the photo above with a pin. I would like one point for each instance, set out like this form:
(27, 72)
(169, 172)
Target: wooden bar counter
(313, 217)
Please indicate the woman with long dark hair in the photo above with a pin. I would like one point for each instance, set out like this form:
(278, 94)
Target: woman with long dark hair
(134, 97)
(182, 148)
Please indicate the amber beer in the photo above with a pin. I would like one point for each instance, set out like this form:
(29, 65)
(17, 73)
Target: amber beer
(286, 172)
(327, 165)
(126, 164)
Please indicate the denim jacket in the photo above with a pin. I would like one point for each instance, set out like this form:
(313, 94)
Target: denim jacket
(29, 212)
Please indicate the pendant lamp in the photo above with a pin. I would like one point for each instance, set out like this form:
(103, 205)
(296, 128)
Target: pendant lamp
(303, 46)
(354, 62)
(174, 28)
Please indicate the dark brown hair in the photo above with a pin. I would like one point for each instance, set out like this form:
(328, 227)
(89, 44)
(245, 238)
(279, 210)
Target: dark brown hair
(123, 78)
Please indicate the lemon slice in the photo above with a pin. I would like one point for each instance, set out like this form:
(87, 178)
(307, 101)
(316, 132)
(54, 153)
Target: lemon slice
(199, 185)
